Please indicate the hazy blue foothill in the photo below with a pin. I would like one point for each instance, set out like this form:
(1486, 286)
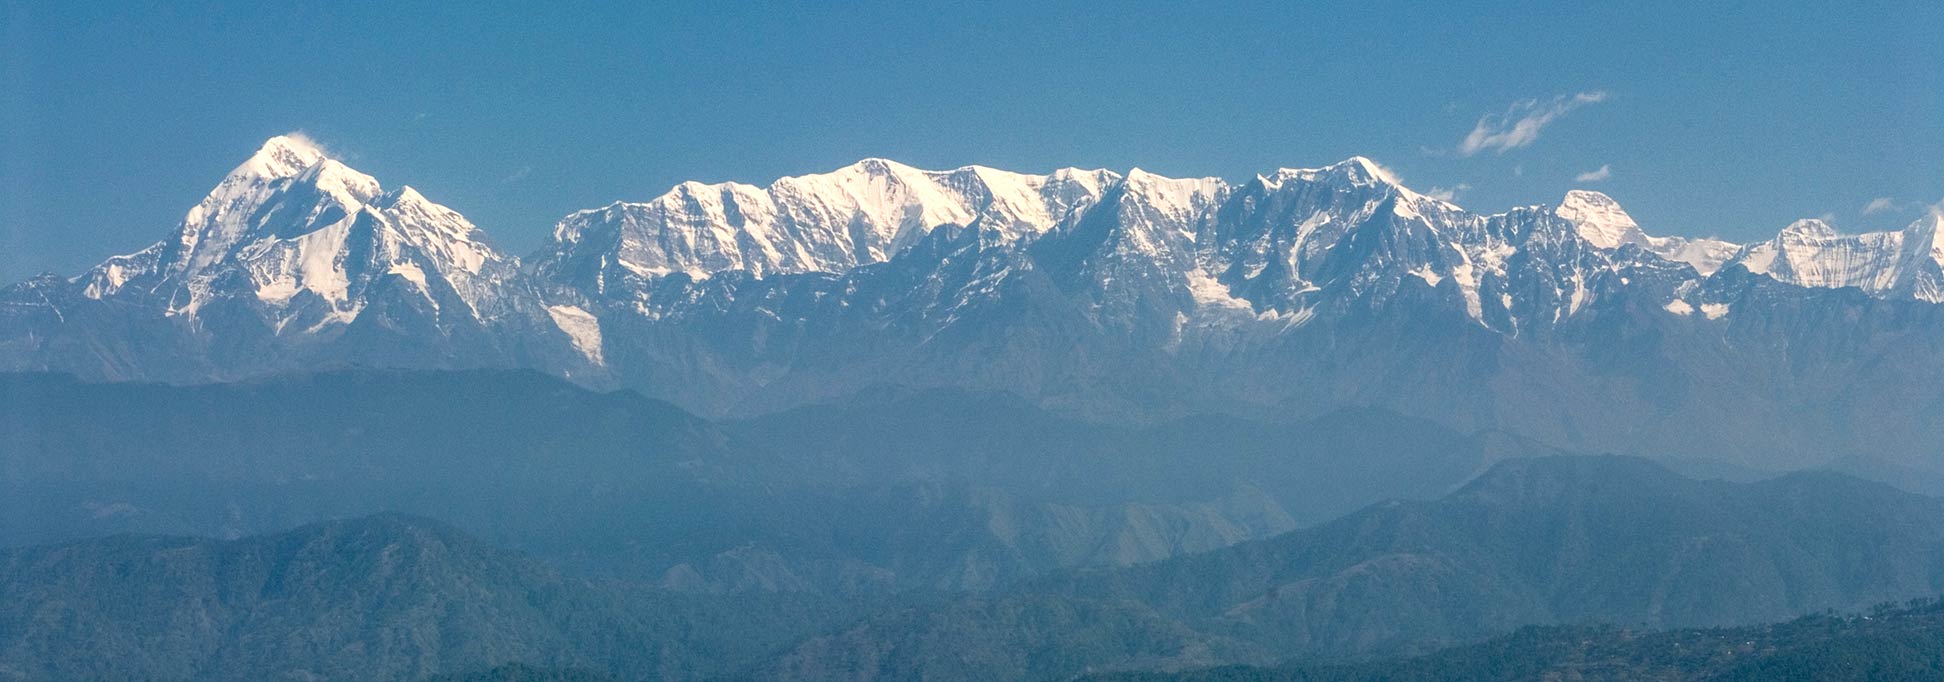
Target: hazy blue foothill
(1532, 541)
(894, 489)
(1550, 540)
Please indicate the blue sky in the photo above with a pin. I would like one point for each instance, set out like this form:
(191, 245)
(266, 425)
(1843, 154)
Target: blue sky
(1729, 120)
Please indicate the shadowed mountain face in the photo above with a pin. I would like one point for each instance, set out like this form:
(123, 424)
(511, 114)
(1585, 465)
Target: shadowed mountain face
(887, 491)
(1121, 297)
(1548, 540)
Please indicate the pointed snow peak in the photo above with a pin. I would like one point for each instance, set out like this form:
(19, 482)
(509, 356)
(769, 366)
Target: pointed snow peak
(1180, 198)
(877, 166)
(1808, 228)
(283, 156)
(292, 220)
(406, 194)
(405, 198)
(1599, 219)
(1137, 179)
(1356, 171)
(1140, 179)
(690, 187)
(1931, 220)
(1368, 168)
(1589, 201)
(1093, 181)
(1927, 231)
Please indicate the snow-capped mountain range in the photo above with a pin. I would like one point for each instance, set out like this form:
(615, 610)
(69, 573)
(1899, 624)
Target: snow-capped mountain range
(1089, 290)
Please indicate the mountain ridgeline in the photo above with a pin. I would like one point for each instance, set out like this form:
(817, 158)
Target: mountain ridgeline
(1114, 297)
(1533, 541)
(1890, 642)
(384, 597)
(889, 491)
(1530, 542)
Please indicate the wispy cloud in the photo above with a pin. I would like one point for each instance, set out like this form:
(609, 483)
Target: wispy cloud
(1605, 171)
(304, 138)
(1595, 175)
(1519, 126)
(518, 175)
(1880, 205)
(1448, 193)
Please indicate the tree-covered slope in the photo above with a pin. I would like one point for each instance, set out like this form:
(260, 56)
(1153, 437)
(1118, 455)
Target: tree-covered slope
(1891, 643)
(386, 597)
(1534, 541)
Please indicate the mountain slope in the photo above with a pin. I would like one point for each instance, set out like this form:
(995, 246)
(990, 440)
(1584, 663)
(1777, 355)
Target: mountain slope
(379, 598)
(1890, 643)
(885, 492)
(1603, 223)
(1810, 253)
(292, 260)
(1534, 541)
(296, 229)
(1313, 470)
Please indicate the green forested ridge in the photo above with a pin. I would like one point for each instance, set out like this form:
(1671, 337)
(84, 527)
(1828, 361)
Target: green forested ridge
(1537, 541)
(521, 672)
(1891, 642)
(386, 597)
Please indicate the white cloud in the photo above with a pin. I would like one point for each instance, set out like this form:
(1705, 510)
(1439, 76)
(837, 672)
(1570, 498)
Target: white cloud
(1519, 126)
(1385, 171)
(518, 175)
(1448, 193)
(302, 137)
(1882, 205)
(1605, 171)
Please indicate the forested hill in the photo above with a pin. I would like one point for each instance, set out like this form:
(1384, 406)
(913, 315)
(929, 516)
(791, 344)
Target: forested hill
(1892, 642)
